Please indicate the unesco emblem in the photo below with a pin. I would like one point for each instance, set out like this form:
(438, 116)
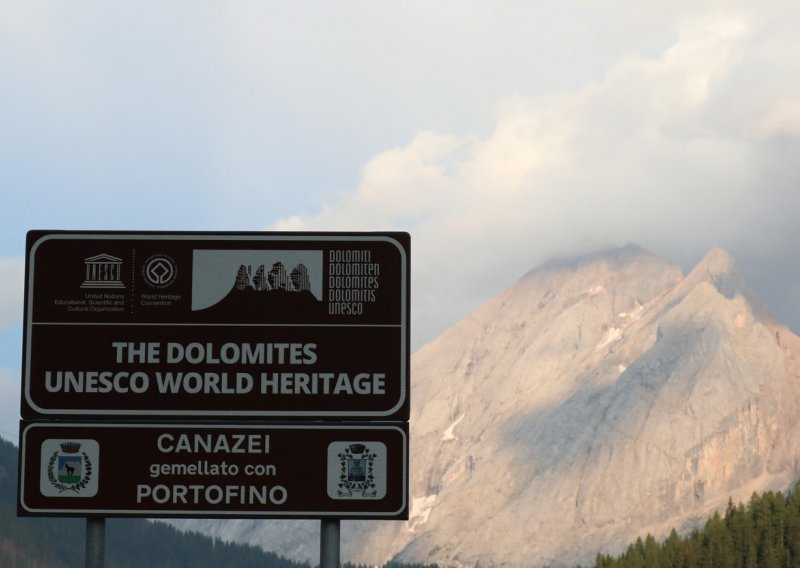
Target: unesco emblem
(160, 271)
(102, 271)
(70, 468)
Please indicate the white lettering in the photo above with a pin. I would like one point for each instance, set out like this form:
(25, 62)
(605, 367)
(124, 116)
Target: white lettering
(323, 383)
(214, 443)
(212, 494)
(96, 382)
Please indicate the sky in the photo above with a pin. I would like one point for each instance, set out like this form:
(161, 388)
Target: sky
(499, 134)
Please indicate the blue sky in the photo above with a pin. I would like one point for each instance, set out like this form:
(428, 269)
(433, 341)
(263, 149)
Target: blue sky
(499, 134)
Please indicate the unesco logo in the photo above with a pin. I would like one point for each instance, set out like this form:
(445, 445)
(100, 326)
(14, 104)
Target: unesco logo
(160, 271)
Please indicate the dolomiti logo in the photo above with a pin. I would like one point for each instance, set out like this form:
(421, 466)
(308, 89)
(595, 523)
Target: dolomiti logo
(247, 280)
(70, 468)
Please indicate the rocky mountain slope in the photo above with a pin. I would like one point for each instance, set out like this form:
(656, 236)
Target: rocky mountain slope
(591, 402)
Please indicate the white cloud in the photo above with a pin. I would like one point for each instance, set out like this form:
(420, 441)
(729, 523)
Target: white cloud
(667, 151)
(781, 119)
(673, 123)
(12, 278)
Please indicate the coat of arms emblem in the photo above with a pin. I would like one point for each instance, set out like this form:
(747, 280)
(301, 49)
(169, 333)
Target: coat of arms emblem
(69, 468)
(357, 470)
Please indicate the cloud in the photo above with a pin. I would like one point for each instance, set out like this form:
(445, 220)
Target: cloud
(671, 123)
(245, 108)
(12, 278)
(692, 148)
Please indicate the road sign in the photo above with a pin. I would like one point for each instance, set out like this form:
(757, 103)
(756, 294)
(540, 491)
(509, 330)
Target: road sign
(212, 325)
(285, 470)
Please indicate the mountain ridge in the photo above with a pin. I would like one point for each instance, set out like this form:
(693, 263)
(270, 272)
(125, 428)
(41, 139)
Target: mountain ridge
(608, 396)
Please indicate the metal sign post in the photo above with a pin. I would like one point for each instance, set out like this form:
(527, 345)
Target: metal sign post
(95, 542)
(329, 540)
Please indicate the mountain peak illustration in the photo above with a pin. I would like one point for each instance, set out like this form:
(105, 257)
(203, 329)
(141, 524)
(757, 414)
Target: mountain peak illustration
(259, 290)
(595, 400)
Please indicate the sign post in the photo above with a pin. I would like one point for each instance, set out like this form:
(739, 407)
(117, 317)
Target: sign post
(231, 375)
(329, 542)
(95, 542)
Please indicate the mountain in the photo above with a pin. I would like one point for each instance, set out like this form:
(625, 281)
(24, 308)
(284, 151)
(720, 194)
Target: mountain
(595, 400)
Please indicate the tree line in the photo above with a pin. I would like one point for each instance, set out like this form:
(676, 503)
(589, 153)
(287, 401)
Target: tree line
(765, 533)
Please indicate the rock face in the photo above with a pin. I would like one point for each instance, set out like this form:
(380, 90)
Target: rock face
(592, 402)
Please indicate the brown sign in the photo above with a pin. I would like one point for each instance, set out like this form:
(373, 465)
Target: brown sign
(202, 325)
(203, 470)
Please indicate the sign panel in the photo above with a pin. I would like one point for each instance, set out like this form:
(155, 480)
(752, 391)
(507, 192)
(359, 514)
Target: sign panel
(202, 325)
(210, 470)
